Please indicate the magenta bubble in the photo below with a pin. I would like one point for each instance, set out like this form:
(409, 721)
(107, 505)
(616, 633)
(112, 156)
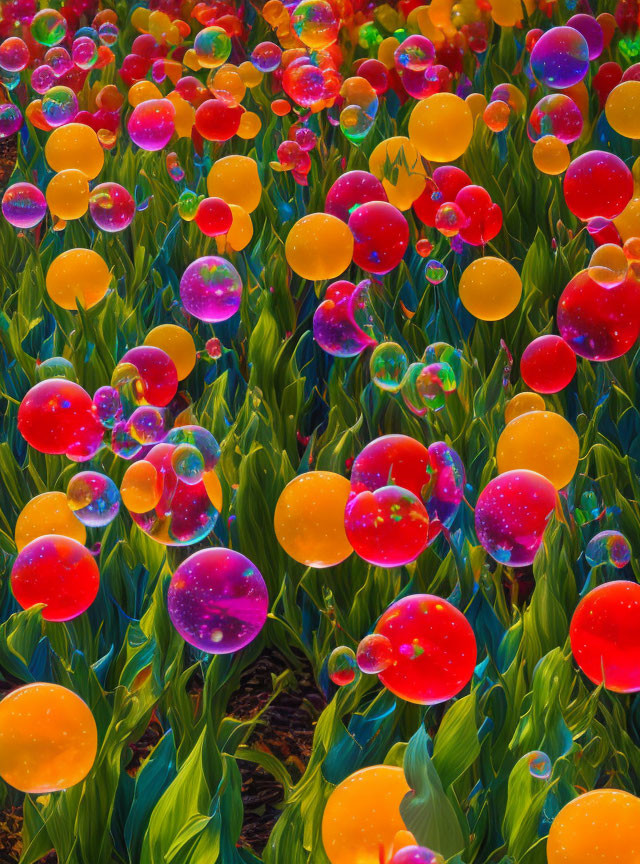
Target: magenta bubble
(334, 325)
(350, 190)
(590, 28)
(560, 58)
(597, 183)
(556, 114)
(151, 124)
(211, 289)
(24, 205)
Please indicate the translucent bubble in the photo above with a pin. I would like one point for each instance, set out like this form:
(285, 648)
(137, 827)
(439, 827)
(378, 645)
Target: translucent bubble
(188, 205)
(539, 765)
(93, 498)
(56, 367)
(416, 855)
(14, 55)
(10, 119)
(342, 666)
(58, 60)
(435, 272)
(199, 438)
(315, 24)
(152, 123)
(122, 444)
(388, 366)
(375, 654)
(212, 47)
(415, 53)
(107, 404)
(24, 205)
(188, 463)
(335, 327)
(608, 547)
(147, 425)
(42, 79)
(266, 56)
(434, 381)
(211, 289)
(84, 52)
(558, 115)
(48, 27)
(108, 33)
(445, 489)
(59, 106)
(560, 58)
(111, 206)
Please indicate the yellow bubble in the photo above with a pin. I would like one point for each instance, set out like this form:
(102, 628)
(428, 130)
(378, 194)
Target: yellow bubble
(177, 343)
(397, 163)
(362, 819)
(477, 102)
(508, 13)
(235, 179)
(48, 513)
(319, 246)
(608, 265)
(490, 288)
(250, 125)
(241, 231)
(628, 222)
(185, 115)
(622, 109)
(141, 487)
(386, 50)
(540, 441)
(251, 76)
(78, 276)
(142, 91)
(551, 155)
(68, 194)
(522, 404)
(309, 519)
(441, 127)
(229, 80)
(75, 146)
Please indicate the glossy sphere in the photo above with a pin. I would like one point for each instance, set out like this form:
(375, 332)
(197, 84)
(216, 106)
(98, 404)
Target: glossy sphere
(548, 364)
(540, 765)
(511, 516)
(609, 265)
(78, 277)
(56, 416)
(309, 519)
(605, 636)
(218, 119)
(600, 827)
(266, 56)
(342, 666)
(111, 206)
(48, 27)
(375, 654)
(623, 108)
(434, 649)
(597, 184)
(68, 194)
(59, 106)
(405, 180)
(218, 601)
(388, 527)
(151, 124)
(556, 114)
(435, 272)
(157, 372)
(608, 547)
(388, 366)
(177, 343)
(415, 53)
(212, 47)
(23, 205)
(445, 490)
(599, 323)
(235, 179)
(490, 288)
(335, 328)
(93, 498)
(362, 815)
(540, 441)
(592, 32)
(560, 58)
(48, 738)
(350, 190)
(441, 127)
(141, 487)
(396, 459)
(14, 55)
(319, 246)
(58, 572)
(315, 24)
(213, 217)
(522, 404)
(75, 146)
(106, 401)
(551, 156)
(211, 289)
(10, 119)
(381, 236)
(48, 513)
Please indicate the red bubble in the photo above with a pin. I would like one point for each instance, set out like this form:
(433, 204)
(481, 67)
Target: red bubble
(218, 119)
(157, 372)
(56, 416)
(381, 236)
(214, 217)
(350, 191)
(597, 184)
(59, 572)
(375, 73)
(447, 181)
(396, 459)
(599, 323)
(388, 527)
(605, 636)
(434, 649)
(606, 78)
(548, 364)
(484, 218)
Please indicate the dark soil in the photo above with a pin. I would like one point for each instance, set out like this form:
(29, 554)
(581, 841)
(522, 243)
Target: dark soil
(11, 838)
(285, 730)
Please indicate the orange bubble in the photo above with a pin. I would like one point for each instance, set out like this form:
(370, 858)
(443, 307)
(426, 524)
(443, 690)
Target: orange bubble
(280, 107)
(177, 343)
(600, 827)
(227, 78)
(214, 489)
(250, 125)
(235, 179)
(309, 519)
(251, 76)
(142, 91)
(48, 513)
(551, 155)
(185, 115)
(398, 158)
(141, 487)
(48, 738)
(540, 441)
(477, 102)
(522, 404)
(78, 276)
(68, 194)
(496, 116)
(319, 246)
(75, 146)
(441, 127)
(490, 288)
(241, 231)
(362, 816)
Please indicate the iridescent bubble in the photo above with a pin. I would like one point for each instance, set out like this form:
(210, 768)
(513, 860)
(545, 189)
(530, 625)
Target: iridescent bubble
(539, 765)
(266, 56)
(211, 289)
(434, 381)
(188, 203)
(435, 272)
(212, 47)
(14, 54)
(111, 206)
(560, 58)
(416, 855)
(388, 366)
(188, 463)
(23, 205)
(107, 404)
(374, 654)
(108, 33)
(10, 119)
(199, 438)
(151, 124)
(147, 425)
(315, 24)
(445, 490)
(218, 601)
(409, 391)
(84, 52)
(608, 547)
(48, 27)
(335, 328)
(58, 60)
(93, 498)
(56, 367)
(122, 444)
(556, 114)
(59, 106)
(342, 666)
(43, 78)
(415, 53)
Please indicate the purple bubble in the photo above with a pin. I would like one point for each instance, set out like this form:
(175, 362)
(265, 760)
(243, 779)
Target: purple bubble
(23, 205)
(560, 58)
(592, 32)
(211, 289)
